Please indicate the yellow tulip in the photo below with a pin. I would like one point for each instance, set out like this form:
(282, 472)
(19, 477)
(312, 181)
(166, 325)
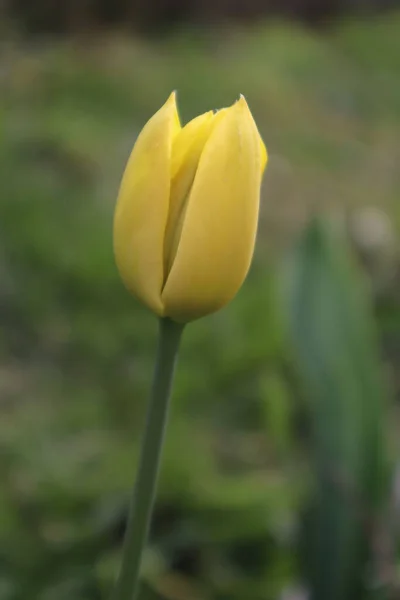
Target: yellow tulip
(187, 211)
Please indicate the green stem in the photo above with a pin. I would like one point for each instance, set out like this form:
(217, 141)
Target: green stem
(145, 486)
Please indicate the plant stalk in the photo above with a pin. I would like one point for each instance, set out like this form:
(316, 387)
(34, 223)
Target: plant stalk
(142, 500)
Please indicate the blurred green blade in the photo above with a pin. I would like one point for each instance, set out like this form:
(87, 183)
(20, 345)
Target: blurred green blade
(331, 331)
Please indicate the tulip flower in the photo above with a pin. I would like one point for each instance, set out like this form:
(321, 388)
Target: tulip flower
(184, 232)
(186, 217)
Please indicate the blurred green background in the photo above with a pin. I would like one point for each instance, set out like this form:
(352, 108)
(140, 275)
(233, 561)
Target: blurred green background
(235, 494)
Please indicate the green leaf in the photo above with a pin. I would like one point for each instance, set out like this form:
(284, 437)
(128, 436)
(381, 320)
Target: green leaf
(331, 330)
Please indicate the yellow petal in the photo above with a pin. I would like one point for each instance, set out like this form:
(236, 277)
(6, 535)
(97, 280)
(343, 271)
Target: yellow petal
(142, 207)
(219, 229)
(187, 142)
(186, 150)
(264, 156)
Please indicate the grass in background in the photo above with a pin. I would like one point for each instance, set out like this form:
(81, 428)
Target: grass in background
(76, 350)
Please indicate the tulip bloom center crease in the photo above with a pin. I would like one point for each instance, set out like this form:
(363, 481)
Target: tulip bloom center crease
(187, 210)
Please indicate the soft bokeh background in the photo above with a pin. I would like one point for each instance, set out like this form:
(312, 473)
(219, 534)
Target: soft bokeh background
(76, 85)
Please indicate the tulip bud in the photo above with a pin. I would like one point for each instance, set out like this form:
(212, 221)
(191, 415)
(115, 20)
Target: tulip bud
(187, 211)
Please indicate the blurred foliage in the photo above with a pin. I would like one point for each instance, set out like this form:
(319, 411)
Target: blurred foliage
(76, 350)
(39, 16)
(330, 323)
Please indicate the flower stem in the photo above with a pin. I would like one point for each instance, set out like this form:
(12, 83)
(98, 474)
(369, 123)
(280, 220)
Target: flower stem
(142, 500)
